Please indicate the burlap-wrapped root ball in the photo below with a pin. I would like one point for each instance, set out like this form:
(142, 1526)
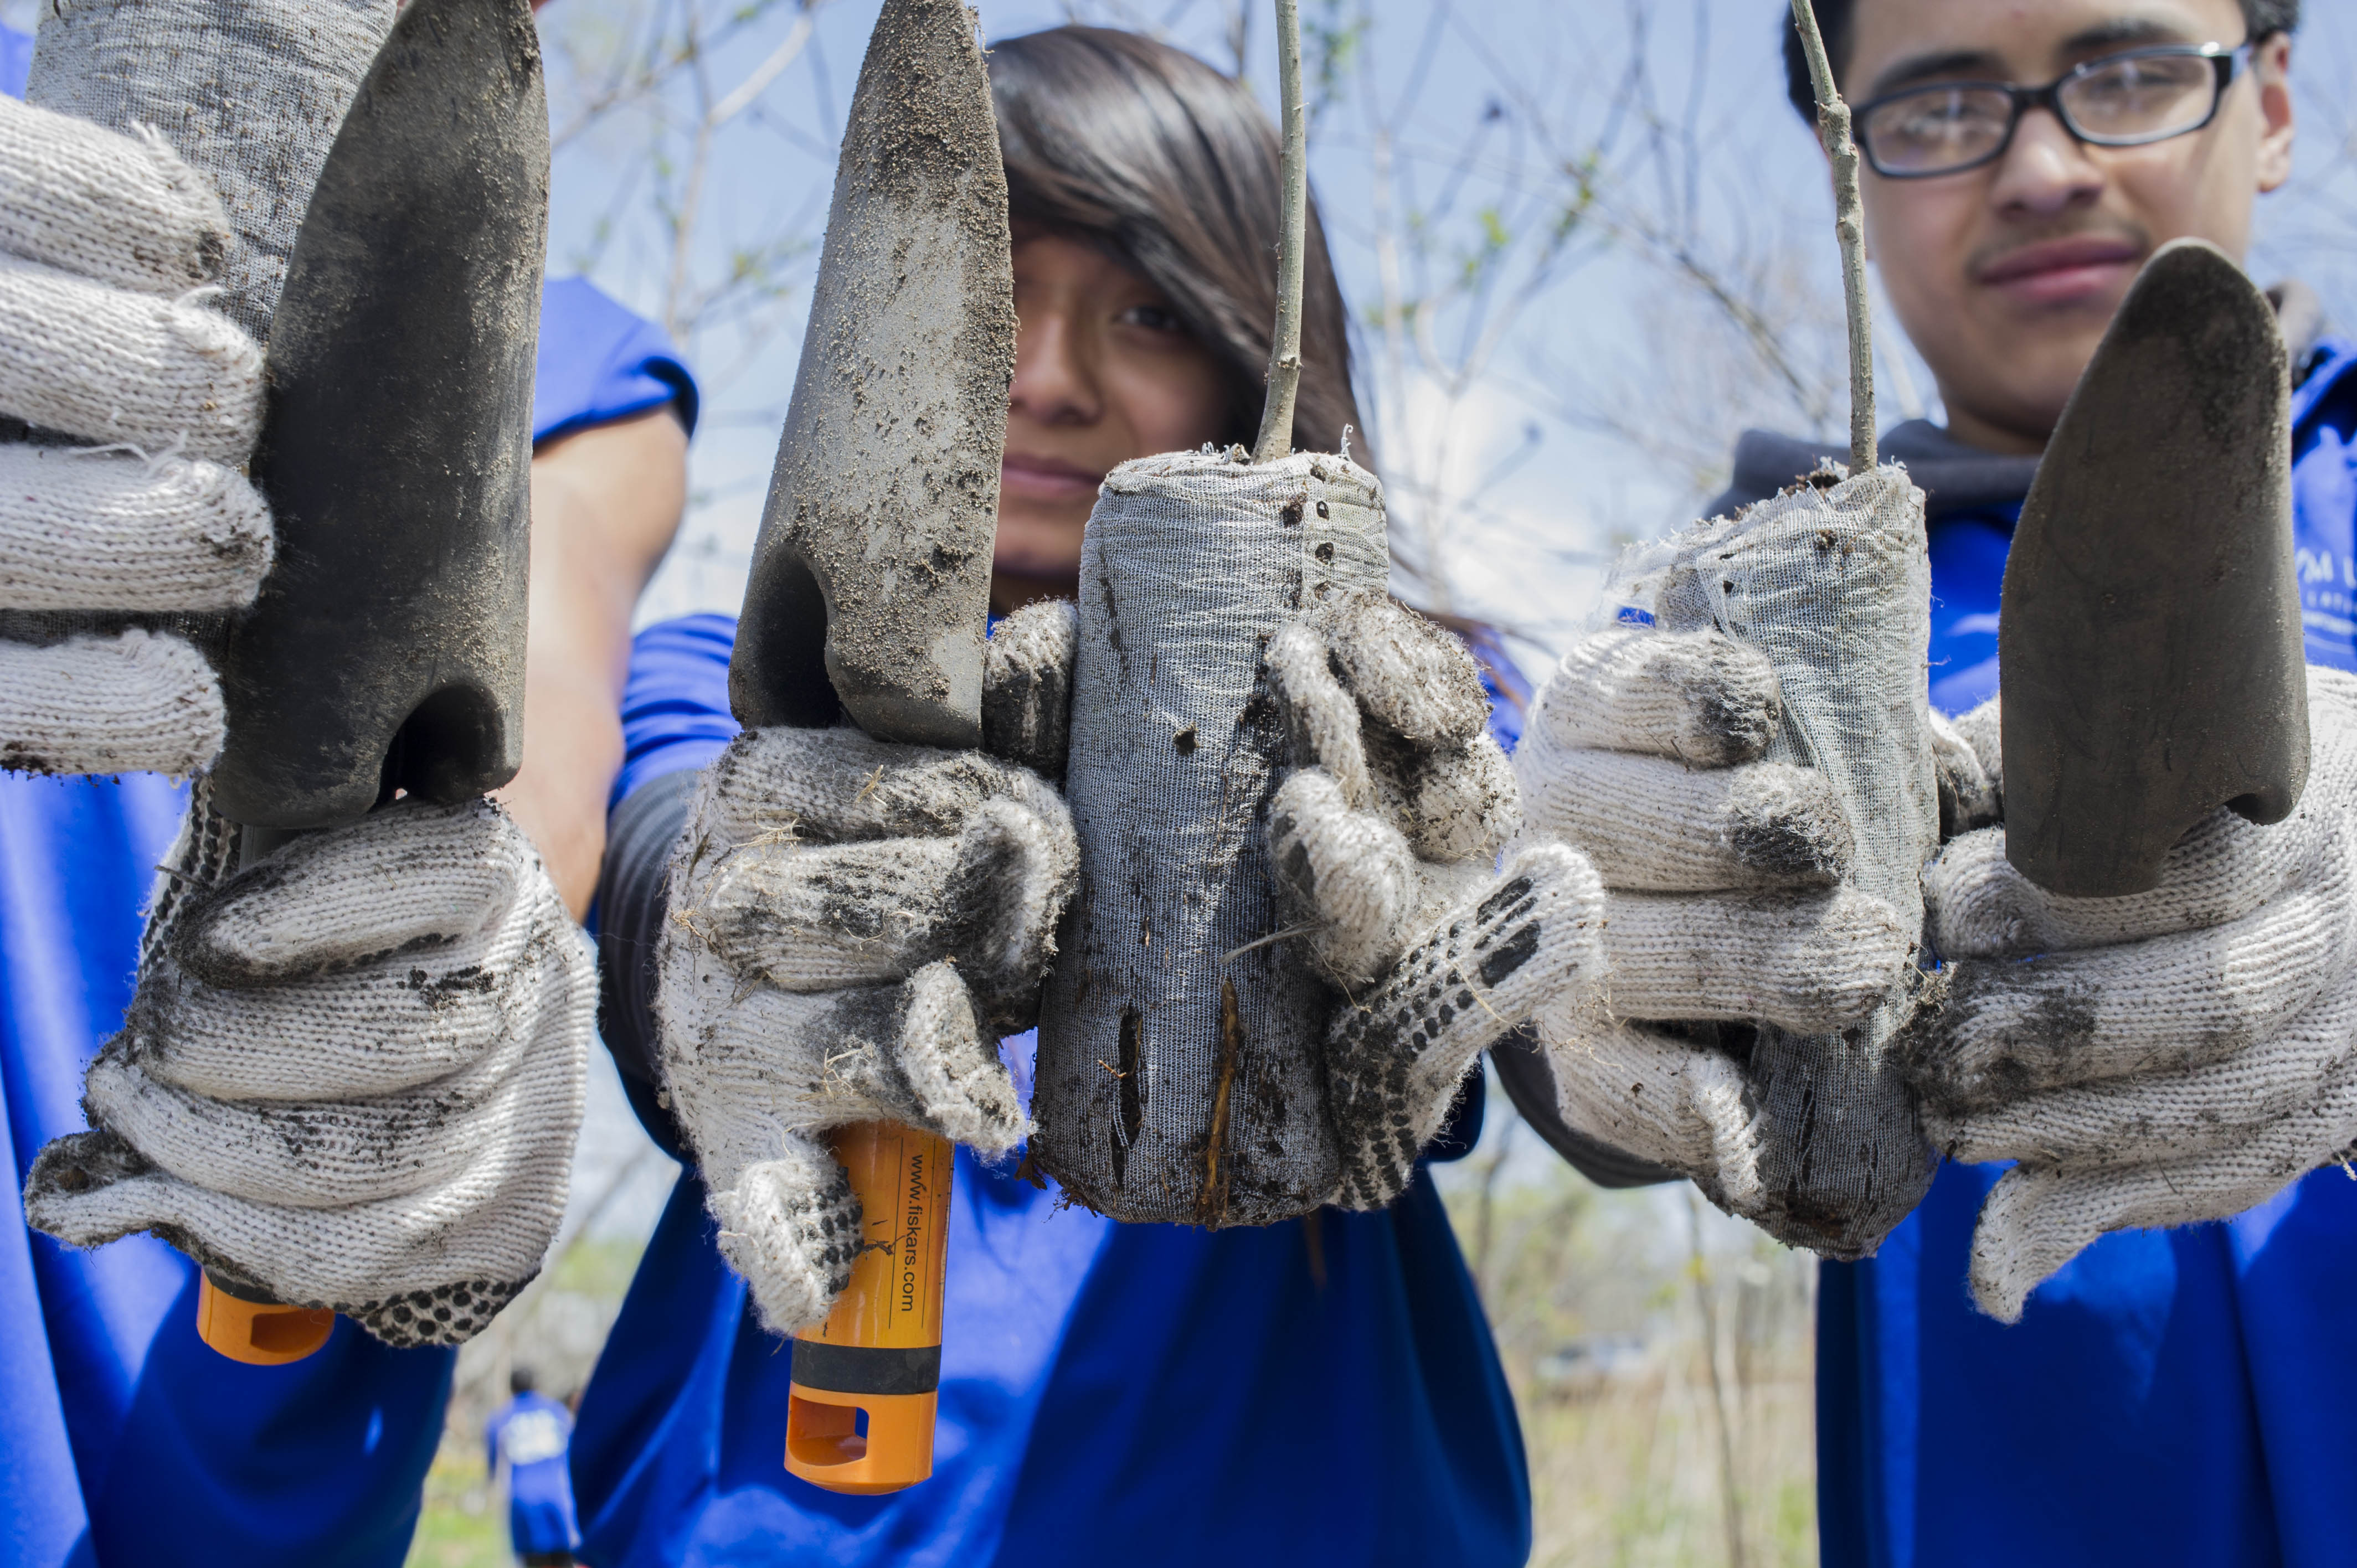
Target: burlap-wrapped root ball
(1179, 1076)
(1832, 581)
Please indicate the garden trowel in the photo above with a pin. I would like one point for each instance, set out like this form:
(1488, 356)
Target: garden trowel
(869, 599)
(871, 586)
(386, 648)
(385, 654)
(2151, 639)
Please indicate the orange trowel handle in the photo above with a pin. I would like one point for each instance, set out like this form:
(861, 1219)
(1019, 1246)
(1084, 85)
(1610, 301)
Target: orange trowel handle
(859, 1416)
(256, 1330)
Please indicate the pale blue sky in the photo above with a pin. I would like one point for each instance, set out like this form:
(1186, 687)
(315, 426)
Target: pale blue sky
(1496, 96)
(1523, 470)
(1616, 388)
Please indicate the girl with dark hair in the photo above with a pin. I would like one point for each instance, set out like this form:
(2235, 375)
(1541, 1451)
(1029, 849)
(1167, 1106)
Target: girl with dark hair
(1323, 1391)
(1139, 174)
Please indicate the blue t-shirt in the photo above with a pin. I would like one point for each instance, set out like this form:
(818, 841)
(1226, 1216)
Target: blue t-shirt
(1320, 1392)
(598, 363)
(2170, 1396)
(127, 1441)
(526, 1444)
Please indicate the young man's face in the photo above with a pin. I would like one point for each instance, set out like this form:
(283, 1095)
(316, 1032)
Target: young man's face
(2005, 275)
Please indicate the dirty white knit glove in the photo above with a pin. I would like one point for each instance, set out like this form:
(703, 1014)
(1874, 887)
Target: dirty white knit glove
(1726, 899)
(852, 928)
(144, 402)
(2163, 1058)
(1384, 839)
(351, 1074)
(1968, 756)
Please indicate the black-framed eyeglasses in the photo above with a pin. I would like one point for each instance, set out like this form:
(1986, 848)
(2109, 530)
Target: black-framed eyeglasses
(2126, 100)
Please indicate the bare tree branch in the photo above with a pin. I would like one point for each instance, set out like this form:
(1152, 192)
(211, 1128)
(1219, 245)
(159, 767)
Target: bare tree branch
(1285, 350)
(1849, 223)
(769, 70)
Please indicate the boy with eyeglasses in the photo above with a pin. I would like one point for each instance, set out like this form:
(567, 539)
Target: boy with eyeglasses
(2177, 1383)
(2170, 1396)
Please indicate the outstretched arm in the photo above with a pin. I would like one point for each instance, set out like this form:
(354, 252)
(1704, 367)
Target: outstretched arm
(605, 503)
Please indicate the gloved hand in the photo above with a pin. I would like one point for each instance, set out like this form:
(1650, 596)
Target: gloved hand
(2167, 1058)
(1384, 841)
(853, 926)
(145, 402)
(351, 1074)
(1724, 902)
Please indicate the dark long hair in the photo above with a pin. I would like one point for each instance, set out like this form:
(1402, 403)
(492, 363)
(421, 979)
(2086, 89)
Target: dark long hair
(1173, 169)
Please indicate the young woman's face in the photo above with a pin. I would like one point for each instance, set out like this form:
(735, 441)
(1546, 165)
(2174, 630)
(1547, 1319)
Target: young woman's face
(1104, 372)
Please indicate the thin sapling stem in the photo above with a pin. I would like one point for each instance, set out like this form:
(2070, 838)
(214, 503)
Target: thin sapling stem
(1849, 224)
(1284, 353)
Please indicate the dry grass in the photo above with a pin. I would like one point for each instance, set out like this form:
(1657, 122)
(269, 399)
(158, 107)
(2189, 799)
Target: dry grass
(1630, 1474)
(1612, 1312)
(462, 1526)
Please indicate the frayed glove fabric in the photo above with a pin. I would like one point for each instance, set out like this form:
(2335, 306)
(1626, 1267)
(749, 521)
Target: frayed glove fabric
(852, 925)
(2164, 1059)
(1758, 757)
(1968, 755)
(1384, 840)
(117, 210)
(1719, 898)
(114, 346)
(351, 1074)
(139, 701)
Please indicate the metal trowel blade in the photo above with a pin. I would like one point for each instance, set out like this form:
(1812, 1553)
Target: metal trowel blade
(2149, 641)
(870, 586)
(386, 648)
